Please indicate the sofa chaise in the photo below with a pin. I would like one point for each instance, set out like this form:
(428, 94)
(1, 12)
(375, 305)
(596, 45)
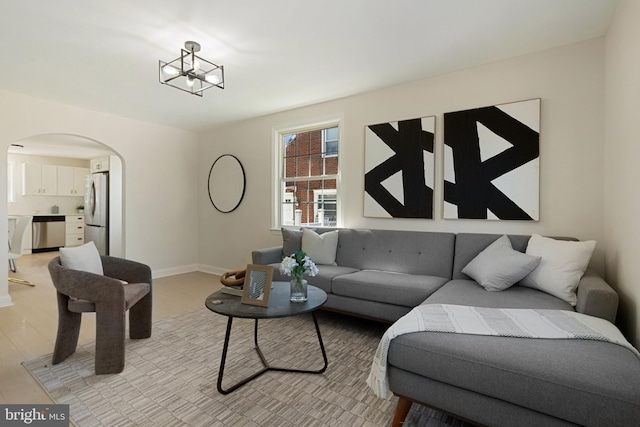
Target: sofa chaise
(488, 380)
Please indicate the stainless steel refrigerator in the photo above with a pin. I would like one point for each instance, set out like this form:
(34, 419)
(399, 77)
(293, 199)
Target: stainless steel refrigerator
(96, 211)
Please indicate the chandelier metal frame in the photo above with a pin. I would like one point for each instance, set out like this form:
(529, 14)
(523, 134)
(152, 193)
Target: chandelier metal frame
(191, 73)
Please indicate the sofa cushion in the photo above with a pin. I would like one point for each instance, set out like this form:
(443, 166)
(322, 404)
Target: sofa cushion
(322, 279)
(379, 311)
(406, 290)
(499, 266)
(466, 404)
(563, 264)
(291, 241)
(410, 252)
(582, 381)
(320, 248)
(326, 274)
(468, 292)
(469, 245)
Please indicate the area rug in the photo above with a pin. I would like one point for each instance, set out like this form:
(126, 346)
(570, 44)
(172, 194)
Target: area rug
(170, 378)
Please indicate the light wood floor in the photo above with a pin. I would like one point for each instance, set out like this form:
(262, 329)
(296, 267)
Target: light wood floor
(28, 328)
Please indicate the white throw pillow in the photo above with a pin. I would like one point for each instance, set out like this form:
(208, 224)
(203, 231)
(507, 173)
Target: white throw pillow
(84, 258)
(320, 248)
(499, 266)
(561, 268)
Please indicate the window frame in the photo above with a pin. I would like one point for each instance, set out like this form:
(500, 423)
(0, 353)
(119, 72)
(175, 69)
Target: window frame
(279, 164)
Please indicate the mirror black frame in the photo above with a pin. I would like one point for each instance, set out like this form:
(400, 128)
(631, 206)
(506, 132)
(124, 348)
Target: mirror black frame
(244, 183)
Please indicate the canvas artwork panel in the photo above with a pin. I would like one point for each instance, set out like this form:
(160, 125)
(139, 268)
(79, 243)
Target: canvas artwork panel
(492, 162)
(399, 169)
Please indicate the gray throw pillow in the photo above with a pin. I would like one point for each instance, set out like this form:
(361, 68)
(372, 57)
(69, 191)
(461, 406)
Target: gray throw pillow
(500, 266)
(291, 241)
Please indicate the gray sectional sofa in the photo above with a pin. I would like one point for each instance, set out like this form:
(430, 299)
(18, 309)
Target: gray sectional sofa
(489, 380)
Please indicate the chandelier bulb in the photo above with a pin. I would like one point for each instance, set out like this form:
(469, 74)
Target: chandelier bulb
(172, 71)
(213, 79)
(189, 81)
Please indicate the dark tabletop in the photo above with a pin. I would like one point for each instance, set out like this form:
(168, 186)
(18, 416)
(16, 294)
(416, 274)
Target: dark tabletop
(279, 304)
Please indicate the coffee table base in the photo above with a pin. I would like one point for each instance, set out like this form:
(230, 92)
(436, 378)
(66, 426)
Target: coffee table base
(266, 365)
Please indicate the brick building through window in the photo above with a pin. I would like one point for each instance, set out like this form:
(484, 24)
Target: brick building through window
(309, 181)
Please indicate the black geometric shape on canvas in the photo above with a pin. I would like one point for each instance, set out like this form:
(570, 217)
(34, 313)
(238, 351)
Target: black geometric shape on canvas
(473, 193)
(408, 143)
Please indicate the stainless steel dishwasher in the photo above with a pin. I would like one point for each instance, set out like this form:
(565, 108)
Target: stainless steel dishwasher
(48, 233)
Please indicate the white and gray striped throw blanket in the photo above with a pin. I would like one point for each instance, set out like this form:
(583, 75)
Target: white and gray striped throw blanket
(520, 323)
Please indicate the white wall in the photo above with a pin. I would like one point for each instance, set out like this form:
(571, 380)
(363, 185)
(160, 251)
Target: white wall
(570, 81)
(622, 173)
(159, 178)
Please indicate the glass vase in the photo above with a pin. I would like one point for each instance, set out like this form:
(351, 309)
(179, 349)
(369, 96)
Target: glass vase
(298, 290)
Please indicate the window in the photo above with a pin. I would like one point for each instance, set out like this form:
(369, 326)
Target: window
(330, 142)
(308, 180)
(326, 207)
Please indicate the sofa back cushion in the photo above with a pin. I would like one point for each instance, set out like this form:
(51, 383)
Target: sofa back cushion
(320, 248)
(469, 245)
(292, 239)
(409, 252)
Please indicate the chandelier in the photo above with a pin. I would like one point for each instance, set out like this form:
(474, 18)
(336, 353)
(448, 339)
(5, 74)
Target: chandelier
(191, 73)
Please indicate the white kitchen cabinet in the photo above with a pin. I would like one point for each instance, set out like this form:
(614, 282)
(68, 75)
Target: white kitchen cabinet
(74, 228)
(71, 180)
(79, 175)
(31, 179)
(65, 180)
(39, 179)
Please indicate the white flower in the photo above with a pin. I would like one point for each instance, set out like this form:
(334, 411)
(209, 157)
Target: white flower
(287, 265)
(297, 264)
(313, 270)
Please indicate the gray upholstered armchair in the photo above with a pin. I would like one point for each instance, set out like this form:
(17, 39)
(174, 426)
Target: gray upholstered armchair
(80, 292)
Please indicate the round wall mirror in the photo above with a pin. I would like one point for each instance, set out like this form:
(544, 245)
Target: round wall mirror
(226, 183)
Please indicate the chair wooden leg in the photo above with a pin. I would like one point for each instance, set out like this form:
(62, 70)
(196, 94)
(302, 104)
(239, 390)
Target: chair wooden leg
(402, 410)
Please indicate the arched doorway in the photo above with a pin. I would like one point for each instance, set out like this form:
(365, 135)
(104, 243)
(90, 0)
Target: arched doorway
(65, 159)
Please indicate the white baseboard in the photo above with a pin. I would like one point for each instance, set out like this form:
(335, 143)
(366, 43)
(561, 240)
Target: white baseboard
(5, 301)
(164, 272)
(211, 269)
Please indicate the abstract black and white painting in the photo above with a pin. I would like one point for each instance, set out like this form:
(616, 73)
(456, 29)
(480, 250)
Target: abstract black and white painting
(399, 169)
(492, 163)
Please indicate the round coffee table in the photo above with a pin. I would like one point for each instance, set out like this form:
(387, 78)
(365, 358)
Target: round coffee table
(279, 306)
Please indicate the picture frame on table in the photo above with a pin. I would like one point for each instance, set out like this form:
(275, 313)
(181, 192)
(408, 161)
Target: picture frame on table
(257, 285)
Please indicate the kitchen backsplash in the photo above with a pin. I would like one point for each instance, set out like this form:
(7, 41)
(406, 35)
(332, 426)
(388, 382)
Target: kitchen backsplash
(41, 205)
